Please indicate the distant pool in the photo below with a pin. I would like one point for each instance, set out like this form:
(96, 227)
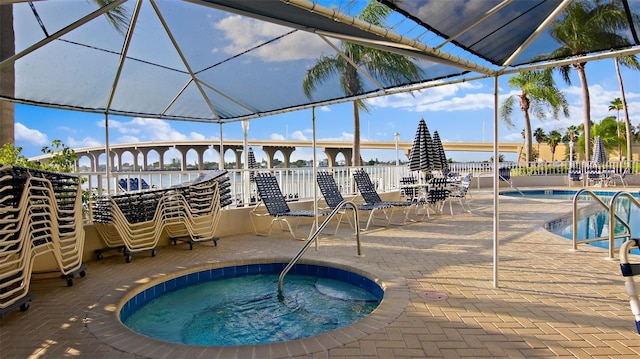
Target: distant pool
(558, 194)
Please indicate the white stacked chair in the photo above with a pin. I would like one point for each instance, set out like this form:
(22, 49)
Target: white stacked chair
(135, 221)
(40, 213)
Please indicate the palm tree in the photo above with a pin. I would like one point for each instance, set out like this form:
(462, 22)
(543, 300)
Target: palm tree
(7, 74)
(539, 94)
(607, 130)
(616, 105)
(582, 28)
(630, 62)
(540, 137)
(389, 67)
(117, 17)
(633, 63)
(553, 139)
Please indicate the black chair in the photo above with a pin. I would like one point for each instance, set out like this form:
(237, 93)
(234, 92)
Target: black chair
(368, 192)
(133, 184)
(575, 175)
(333, 198)
(408, 189)
(505, 174)
(274, 201)
(594, 175)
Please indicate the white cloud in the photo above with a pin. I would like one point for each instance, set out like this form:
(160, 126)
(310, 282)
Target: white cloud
(244, 33)
(438, 98)
(298, 136)
(33, 137)
(148, 129)
(343, 137)
(514, 137)
(85, 142)
(277, 137)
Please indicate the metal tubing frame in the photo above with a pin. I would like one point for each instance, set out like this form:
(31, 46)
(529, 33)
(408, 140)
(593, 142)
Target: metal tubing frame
(314, 237)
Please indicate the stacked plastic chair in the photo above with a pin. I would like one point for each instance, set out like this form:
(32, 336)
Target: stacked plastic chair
(135, 221)
(40, 213)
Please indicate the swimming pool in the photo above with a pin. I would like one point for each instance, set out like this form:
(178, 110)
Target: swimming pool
(593, 221)
(558, 194)
(240, 305)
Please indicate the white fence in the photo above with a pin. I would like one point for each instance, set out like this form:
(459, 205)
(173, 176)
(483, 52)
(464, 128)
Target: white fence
(297, 183)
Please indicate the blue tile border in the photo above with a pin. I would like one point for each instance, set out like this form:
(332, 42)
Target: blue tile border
(148, 294)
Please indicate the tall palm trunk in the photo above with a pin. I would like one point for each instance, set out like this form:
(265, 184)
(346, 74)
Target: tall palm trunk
(586, 102)
(627, 122)
(7, 75)
(528, 136)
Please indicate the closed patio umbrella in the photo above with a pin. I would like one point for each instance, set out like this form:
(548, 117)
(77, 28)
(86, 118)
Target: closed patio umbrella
(252, 164)
(599, 155)
(420, 158)
(442, 163)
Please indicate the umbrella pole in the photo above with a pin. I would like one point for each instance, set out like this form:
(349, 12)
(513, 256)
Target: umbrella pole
(315, 171)
(221, 154)
(245, 172)
(106, 151)
(496, 206)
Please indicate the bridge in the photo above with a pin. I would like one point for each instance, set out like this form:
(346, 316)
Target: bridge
(140, 151)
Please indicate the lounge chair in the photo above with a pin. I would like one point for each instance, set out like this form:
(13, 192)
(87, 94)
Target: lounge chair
(620, 176)
(274, 201)
(333, 197)
(629, 272)
(575, 175)
(459, 193)
(133, 184)
(370, 195)
(594, 177)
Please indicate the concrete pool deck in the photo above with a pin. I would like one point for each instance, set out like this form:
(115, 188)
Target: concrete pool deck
(550, 301)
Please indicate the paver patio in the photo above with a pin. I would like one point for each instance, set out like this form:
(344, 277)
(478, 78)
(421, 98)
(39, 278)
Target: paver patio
(550, 301)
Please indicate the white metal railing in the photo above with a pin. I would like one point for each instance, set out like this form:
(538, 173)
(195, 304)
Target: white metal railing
(613, 219)
(297, 183)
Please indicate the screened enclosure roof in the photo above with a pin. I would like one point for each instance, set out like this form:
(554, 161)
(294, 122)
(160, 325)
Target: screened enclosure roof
(225, 60)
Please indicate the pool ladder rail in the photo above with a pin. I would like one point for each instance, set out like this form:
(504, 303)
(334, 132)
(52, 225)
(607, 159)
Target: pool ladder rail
(314, 238)
(613, 218)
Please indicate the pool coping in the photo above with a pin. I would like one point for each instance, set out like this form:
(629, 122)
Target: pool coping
(103, 321)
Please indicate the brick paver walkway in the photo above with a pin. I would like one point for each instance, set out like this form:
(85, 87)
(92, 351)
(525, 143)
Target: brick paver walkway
(550, 301)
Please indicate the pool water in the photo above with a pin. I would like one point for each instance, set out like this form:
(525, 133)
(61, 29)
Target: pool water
(247, 310)
(554, 194)
(593, 222)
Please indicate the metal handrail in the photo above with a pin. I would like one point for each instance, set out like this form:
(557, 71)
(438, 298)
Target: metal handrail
(612, 234)
(612, 215)
(314, 237)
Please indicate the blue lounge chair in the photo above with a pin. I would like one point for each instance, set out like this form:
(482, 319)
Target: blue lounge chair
(133, 184)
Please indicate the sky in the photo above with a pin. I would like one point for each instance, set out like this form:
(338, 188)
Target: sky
(459, 112)
(462, 112)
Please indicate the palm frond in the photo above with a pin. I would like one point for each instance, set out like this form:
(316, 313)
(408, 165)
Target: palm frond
(320, 72)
